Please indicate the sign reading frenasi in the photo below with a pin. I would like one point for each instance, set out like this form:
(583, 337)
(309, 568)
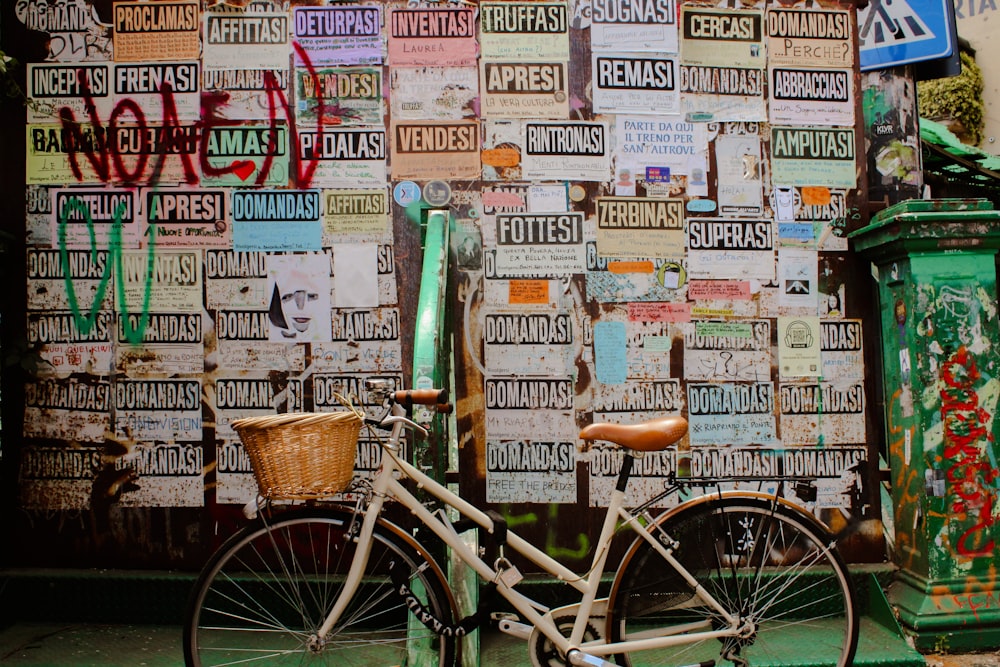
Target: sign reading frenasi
(628, 403)
(152, 85)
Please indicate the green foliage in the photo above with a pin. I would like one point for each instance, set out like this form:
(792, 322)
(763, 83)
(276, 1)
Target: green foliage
(956, 102)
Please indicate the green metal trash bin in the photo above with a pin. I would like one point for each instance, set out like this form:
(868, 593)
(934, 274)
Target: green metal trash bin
(935, 266)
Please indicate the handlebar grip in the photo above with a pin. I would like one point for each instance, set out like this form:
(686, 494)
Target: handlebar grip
(410, 397)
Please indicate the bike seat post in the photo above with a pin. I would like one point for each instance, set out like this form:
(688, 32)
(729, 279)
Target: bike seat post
(626, 470)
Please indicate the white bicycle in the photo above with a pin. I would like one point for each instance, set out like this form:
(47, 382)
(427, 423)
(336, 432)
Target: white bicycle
(728, 578)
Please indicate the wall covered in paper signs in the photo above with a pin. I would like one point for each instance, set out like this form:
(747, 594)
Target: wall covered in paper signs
(649, 202)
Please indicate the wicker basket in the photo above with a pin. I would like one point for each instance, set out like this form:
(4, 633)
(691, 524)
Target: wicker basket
(301, 455)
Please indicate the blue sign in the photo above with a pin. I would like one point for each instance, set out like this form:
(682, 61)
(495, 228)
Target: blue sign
(897, 32)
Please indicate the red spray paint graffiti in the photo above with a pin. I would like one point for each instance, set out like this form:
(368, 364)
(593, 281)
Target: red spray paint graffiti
(966, 430)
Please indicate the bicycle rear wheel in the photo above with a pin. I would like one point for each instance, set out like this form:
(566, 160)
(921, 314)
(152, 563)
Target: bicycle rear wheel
(770, 566)
(262, 596)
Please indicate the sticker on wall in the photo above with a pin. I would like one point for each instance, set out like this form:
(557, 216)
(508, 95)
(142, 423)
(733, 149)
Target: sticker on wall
(432, 36)
(433, 93)
(727, 351)
(635, 83)
(731, 413)
(799, 351)
(524, 31)
(338, 35)
(813, 156)
(740, 187)
(809, 38)
(622, 26)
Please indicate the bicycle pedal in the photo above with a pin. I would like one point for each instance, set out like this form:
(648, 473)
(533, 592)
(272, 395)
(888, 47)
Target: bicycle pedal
(515, 628)
(498, 616)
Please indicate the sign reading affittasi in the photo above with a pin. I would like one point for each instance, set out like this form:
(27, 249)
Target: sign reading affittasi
(904, 31)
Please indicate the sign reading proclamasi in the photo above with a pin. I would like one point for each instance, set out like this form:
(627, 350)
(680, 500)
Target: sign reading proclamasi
(566, 151)
(722, 37)
(425, 36)
(524, 31)
(813, 156)
(640, 227)
(156, 30)
(809, 38)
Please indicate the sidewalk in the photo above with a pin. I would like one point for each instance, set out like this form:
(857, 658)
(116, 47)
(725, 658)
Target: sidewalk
(101, 645)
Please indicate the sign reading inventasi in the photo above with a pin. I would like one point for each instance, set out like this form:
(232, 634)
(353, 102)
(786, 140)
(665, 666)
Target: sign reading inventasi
(904, 31)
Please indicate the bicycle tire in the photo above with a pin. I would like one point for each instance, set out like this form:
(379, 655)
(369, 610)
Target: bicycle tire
(766, 562)
(261, 597)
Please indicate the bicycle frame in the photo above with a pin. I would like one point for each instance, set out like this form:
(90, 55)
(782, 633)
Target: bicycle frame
(386, 486)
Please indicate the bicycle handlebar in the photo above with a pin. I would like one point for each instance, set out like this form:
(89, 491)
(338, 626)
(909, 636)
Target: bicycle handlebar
(410, 397)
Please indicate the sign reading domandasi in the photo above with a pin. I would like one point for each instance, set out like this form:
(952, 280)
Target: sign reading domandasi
(530, 471)
(73, 408)
(833, 411)
(519, 408)
(731, 413)
(528, 342)
(162, 410)
(811, 38)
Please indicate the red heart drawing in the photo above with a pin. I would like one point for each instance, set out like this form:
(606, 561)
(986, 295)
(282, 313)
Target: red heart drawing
(243, 168)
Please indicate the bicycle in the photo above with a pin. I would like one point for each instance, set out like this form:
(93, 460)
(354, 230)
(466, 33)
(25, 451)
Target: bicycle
(738, 577)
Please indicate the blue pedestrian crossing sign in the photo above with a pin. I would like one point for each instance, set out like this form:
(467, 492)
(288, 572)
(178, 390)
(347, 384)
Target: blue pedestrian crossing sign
(897, 32)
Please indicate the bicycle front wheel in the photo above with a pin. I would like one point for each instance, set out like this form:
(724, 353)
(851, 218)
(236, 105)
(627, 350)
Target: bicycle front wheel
(771, 567)
(264, 594)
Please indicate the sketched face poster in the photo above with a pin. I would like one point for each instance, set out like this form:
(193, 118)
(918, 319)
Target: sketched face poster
(299, 309)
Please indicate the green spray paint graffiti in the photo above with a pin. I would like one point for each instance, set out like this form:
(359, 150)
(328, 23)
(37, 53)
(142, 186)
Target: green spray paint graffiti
(85, 322)
(551, 548)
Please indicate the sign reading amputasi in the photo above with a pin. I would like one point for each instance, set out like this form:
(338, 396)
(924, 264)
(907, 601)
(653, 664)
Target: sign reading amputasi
(813, 156)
